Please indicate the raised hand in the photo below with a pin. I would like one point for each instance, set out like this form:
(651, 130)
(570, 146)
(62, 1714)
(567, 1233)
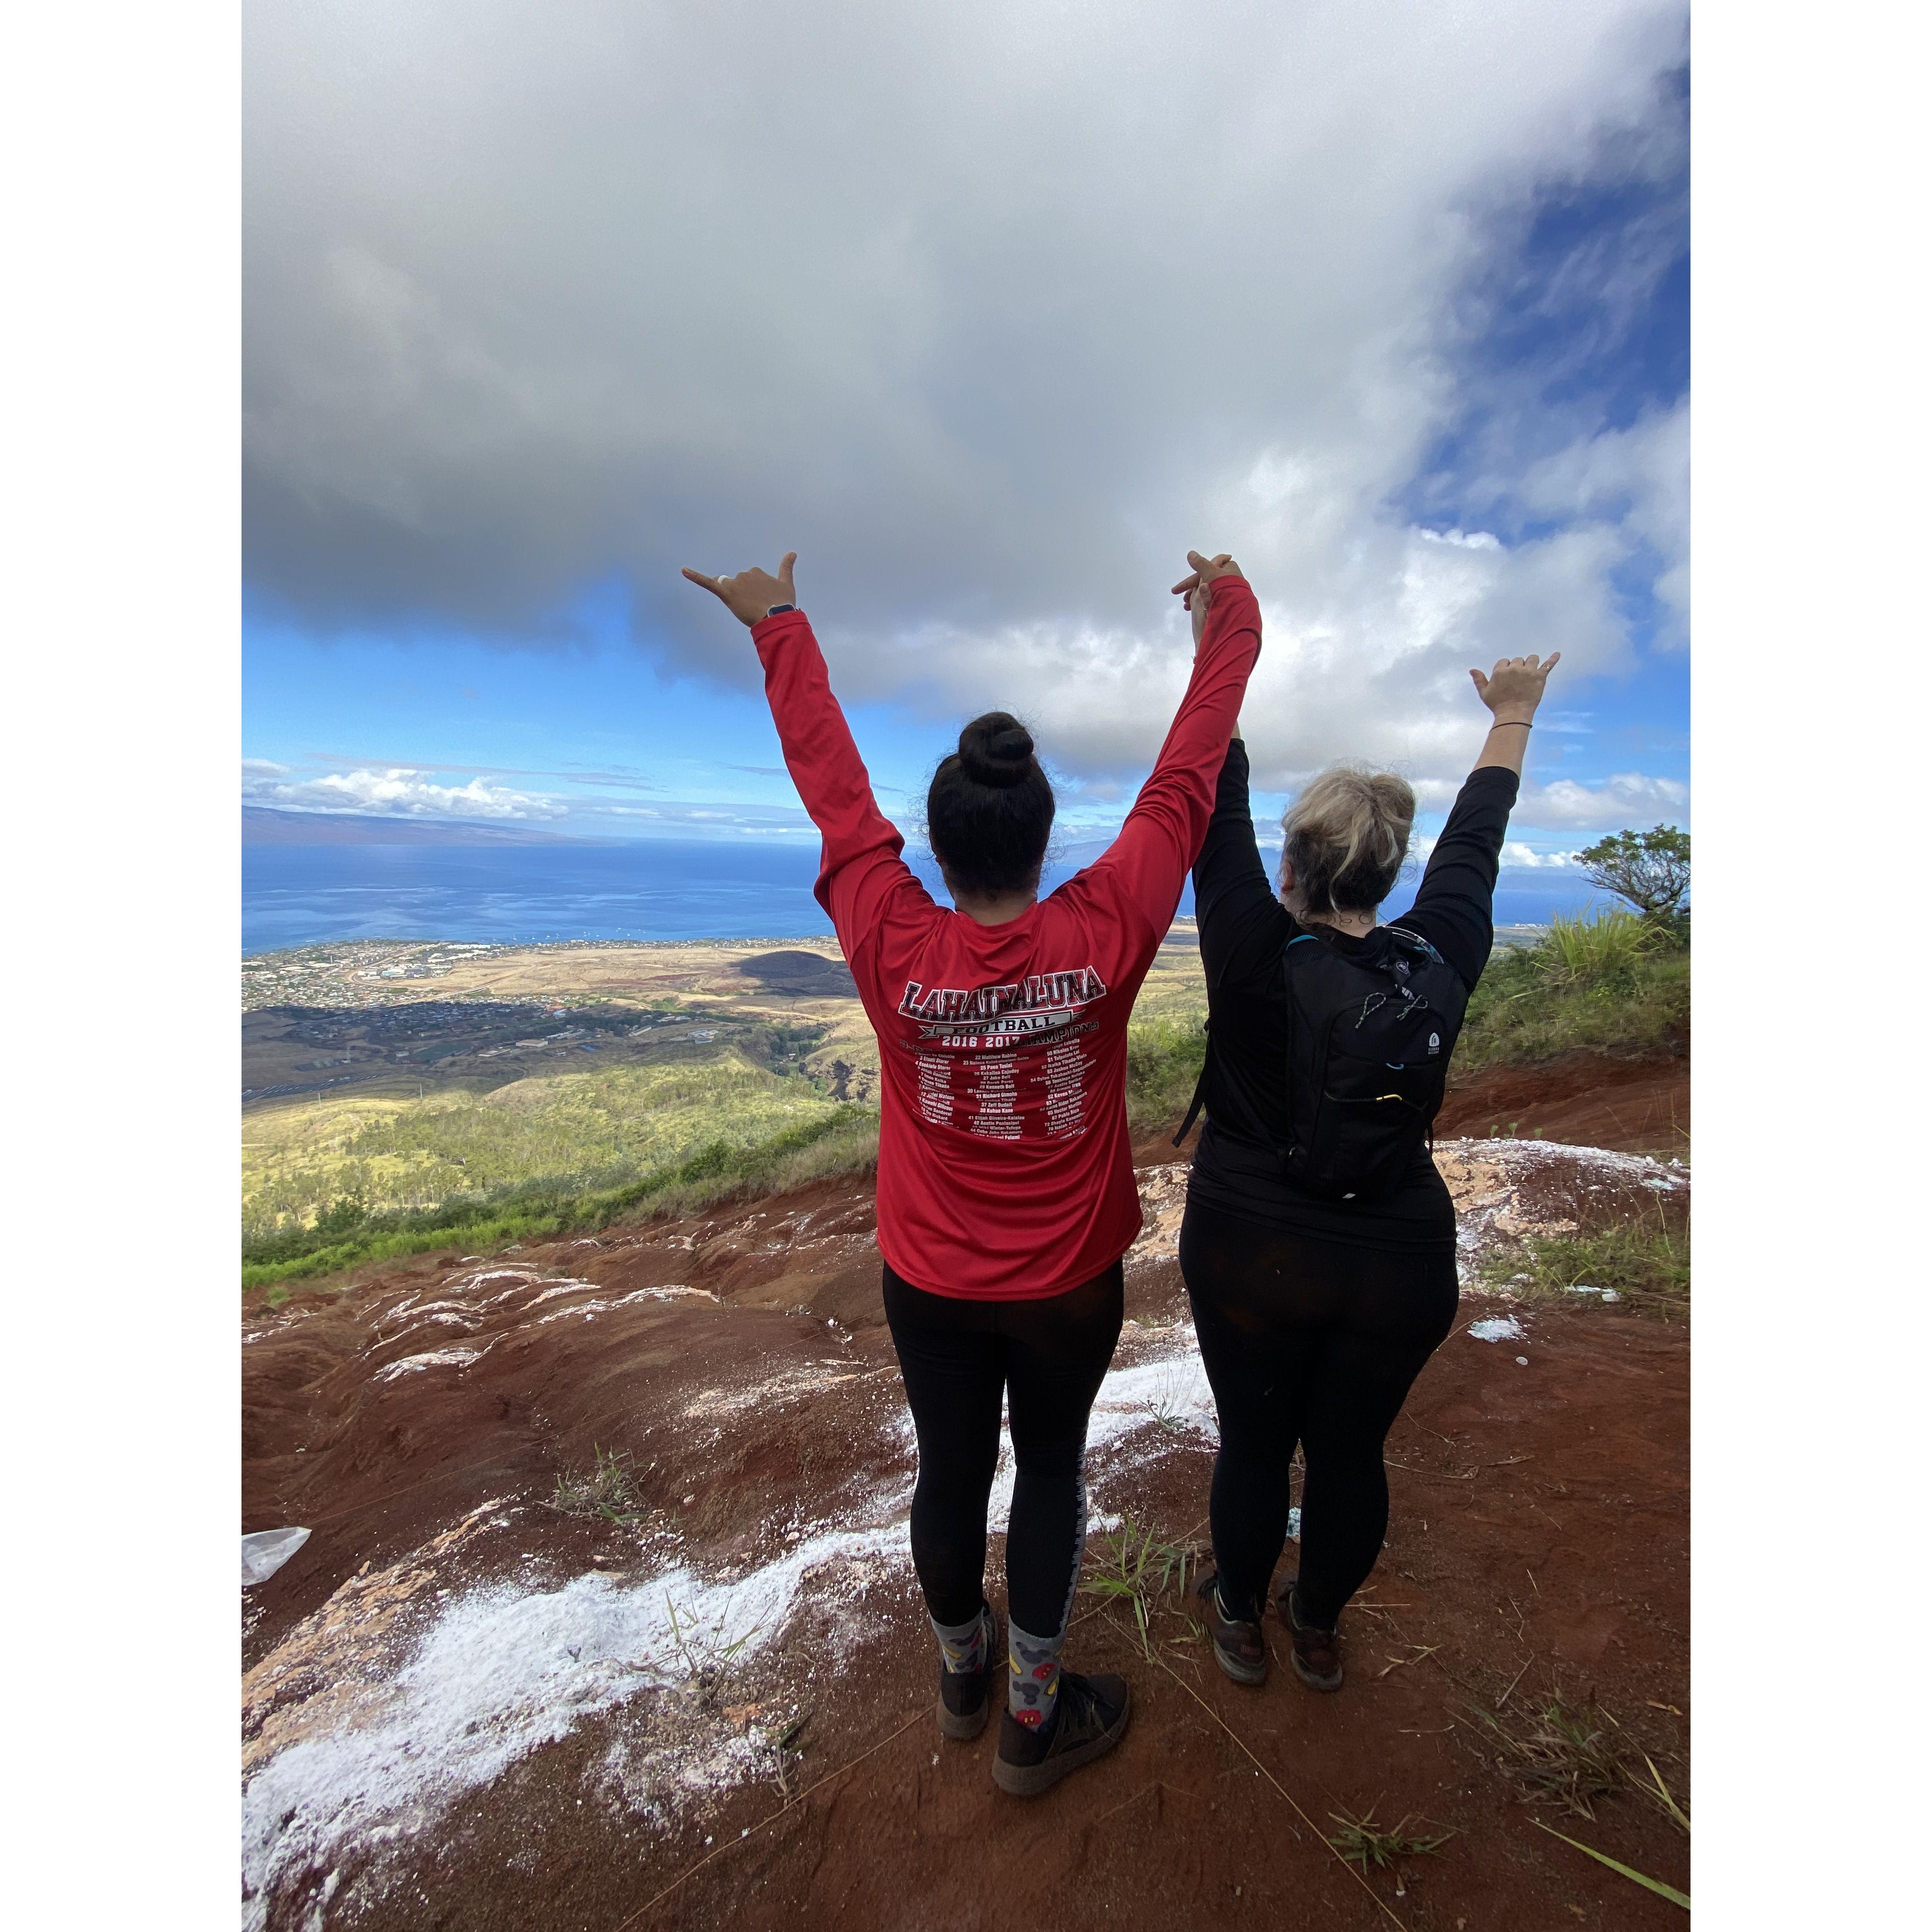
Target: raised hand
(749, 595)
(1196, 590)
(1514, 689)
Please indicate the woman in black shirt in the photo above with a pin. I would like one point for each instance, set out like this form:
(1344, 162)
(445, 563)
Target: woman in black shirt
(1316, 1315)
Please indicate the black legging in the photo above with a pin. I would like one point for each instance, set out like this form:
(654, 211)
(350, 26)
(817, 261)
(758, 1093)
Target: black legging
(1313, 1342)
(956, 1355)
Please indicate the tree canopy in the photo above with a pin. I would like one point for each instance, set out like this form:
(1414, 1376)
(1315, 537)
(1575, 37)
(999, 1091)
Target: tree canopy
(1651, 869)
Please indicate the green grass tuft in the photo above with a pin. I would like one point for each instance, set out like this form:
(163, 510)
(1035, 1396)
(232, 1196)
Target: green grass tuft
(1646, 1263)
(1372, 1846)
(1612, 945)
(1615, 985)
(1136, 1567)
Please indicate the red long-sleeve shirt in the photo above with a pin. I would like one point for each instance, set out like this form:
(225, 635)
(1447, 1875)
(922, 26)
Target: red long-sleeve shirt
(1004, 1168)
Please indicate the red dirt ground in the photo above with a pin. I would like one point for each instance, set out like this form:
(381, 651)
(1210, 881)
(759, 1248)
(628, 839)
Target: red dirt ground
(1538, 1537)
(1638, 1106)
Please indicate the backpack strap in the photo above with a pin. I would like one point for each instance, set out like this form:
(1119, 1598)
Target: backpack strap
(1195, 1105)
(1200, 1087)
(1288, 994)
(1415, 940)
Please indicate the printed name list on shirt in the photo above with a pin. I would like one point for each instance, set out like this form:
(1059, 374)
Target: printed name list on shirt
(1005, 1082)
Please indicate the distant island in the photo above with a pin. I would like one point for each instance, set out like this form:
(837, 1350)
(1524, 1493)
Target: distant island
(263, 825)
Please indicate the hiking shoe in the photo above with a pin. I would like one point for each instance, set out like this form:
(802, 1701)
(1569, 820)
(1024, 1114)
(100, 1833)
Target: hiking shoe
(1089, 1717)
(1317, 1653)
(1239, 1647)
(965, 1697)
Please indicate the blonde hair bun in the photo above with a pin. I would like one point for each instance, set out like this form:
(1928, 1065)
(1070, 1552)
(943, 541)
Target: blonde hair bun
(1346, 835)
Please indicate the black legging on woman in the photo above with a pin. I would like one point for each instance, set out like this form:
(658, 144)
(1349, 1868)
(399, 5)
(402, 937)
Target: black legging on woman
(1048, 1357)
(1311, 1342)
(1316, 1315)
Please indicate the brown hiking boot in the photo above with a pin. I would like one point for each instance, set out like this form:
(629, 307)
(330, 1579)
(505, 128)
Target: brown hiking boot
(1317, 1655)
(1239, 1647)
(1089, 1717)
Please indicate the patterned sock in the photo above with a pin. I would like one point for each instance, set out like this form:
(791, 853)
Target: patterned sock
(962, 1646)
(1032, 1675)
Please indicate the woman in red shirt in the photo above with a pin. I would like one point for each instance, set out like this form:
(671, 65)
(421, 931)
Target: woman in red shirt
(1006, 1189)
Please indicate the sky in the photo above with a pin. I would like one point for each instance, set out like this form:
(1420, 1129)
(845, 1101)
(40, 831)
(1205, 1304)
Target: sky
(991, 314)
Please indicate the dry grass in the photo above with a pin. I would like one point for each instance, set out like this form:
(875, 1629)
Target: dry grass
(1553, 1751)
(1372, 1846)
(607, 1489)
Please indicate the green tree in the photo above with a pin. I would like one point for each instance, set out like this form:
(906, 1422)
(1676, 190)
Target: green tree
(1651, 869)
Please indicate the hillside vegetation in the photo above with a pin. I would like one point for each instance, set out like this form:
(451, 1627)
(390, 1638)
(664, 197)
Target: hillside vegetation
(1616, 984)
(600, 1128)
(329, 1184)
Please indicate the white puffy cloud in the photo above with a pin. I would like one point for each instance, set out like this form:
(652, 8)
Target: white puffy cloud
(399, 792)
(1515, 853)
(1626, 798)
(989, 312)
(1639, 479)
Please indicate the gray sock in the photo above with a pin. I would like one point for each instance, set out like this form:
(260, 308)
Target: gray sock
(963, 1646)
(1032, 1675)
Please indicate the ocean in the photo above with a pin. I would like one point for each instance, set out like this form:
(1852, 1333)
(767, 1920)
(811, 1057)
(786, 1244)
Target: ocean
(295, 894)
(300, 895)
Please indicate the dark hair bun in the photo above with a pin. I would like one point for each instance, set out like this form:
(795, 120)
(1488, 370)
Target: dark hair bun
(996, 750)
(990, 811)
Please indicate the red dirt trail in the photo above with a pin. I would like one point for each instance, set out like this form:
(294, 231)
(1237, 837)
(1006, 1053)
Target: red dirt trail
(461, 1709)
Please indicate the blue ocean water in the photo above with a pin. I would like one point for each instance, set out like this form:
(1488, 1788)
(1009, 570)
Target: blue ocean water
(657, 889)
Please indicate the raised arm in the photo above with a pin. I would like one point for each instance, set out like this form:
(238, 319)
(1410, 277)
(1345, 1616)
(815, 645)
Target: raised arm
(1512, 691)
(1234, 901)
(1454, 904)
(1169, 819)
(859, 864)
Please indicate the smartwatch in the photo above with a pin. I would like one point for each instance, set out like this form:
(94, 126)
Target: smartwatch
(779, 610)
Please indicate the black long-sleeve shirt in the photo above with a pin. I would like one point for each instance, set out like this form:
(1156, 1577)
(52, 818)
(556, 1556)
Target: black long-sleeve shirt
(1245, 930)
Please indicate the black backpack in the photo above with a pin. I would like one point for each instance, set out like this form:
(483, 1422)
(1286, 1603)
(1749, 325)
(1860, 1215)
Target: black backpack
(1368, 1040)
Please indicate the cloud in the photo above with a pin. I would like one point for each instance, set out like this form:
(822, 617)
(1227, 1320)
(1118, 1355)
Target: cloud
(396, 793)
(988, 315)
(1626, 799)
(1516, 854)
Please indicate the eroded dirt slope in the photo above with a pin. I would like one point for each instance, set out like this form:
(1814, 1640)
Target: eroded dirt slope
(1638, 1106)
(463, 1709)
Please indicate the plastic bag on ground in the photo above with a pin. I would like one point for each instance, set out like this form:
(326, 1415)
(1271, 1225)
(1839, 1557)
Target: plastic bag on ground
(265, 1553)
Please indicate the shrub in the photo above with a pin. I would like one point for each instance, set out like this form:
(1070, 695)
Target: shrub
(1609, 946)
(1164, 1058)
(1613, 986)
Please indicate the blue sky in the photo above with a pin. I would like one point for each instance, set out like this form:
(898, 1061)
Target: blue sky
(1423, 365)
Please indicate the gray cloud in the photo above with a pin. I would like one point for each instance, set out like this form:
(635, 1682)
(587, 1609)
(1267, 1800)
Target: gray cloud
(989, 312)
